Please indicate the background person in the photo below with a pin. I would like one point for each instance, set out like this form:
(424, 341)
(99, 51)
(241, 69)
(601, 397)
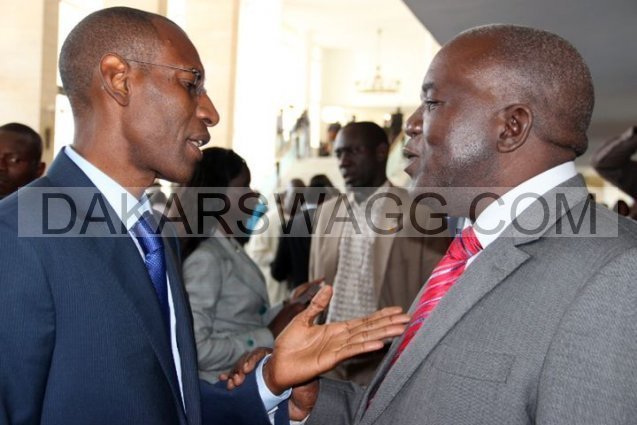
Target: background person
(20, 157)
(367, 268)
(226, 289)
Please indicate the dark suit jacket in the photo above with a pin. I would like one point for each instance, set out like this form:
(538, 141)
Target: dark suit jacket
(540, 329)
(292, 260)
(80, 325)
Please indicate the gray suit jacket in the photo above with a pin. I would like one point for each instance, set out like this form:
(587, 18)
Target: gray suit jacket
(540, 329)
(229, 303)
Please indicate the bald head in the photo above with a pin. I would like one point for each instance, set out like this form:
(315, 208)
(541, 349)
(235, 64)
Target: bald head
(543, 70)
(128, 32)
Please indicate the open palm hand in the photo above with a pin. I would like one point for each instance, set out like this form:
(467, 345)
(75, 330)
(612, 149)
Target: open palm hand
(304, 350)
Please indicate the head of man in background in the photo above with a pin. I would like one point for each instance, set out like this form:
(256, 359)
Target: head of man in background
(361, 149)
(20, 157)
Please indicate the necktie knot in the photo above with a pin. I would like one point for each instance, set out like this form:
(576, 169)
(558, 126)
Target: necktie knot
(147, 233)
(465, 246)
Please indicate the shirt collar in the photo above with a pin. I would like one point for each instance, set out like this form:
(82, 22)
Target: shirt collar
(500, 213)
(121, 200)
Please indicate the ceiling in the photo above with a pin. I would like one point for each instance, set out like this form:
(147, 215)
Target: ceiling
(351, 24)
(605, 32)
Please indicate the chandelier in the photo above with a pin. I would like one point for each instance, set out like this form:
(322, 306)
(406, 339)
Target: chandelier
(378, 84)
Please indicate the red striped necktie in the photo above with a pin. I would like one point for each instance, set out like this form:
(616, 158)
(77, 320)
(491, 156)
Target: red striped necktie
(446, 273)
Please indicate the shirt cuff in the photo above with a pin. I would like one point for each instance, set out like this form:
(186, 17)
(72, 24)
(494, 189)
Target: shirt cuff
(270, 401)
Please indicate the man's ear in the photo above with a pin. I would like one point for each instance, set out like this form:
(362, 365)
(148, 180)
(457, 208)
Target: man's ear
(115, 75)
(382, 151)
(40, 169)
(516, 121)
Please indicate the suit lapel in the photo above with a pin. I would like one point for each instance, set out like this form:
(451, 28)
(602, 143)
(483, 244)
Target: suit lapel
(118, 258)
(489, 269)
(131, 276)
(184, 334)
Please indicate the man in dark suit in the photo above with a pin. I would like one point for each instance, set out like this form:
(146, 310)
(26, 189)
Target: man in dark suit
(95, 326)
(530, 316)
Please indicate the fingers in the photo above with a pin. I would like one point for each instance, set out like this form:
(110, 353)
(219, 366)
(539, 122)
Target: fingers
(318, 304)
(246, 364)
(253, 359)
(236, 380)
(370, 323)
(352, 350)
(302, 400)
(385, 312)
(376, 334)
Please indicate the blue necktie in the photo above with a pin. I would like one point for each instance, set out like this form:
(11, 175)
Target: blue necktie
(147, 234)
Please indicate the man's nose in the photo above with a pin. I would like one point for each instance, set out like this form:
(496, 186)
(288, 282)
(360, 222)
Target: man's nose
(413, 126)
(206, 111)
(344, 160)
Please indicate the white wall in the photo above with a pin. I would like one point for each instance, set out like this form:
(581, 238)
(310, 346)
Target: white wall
(21, 65)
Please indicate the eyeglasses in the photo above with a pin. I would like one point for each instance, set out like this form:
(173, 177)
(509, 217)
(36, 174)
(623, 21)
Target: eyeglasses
(193, 71)
(353, 151)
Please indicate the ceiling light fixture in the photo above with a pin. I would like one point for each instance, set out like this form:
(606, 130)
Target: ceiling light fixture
(378, 84)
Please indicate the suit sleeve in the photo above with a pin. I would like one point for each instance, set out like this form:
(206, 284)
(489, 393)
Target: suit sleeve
(27, 331)
(337, 403)
(590, 373)
(241, 406)
(203, 279)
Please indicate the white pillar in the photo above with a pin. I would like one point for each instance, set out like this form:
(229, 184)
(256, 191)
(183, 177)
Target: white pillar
(212, 26)
(256, 84)
(28, 42)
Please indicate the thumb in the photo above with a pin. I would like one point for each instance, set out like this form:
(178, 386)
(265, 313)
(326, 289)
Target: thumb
(318, 304)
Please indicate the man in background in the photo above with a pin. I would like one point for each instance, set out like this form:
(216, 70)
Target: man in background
(20, 157)
(367, 267)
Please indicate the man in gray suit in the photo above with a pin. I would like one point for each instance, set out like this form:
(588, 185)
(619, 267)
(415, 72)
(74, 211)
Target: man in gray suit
(541, 326)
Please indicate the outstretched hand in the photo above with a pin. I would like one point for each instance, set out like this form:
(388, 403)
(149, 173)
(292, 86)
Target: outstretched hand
(305, 350)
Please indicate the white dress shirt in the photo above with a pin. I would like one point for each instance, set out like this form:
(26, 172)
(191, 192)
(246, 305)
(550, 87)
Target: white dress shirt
(500, 213)
(122, 201)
